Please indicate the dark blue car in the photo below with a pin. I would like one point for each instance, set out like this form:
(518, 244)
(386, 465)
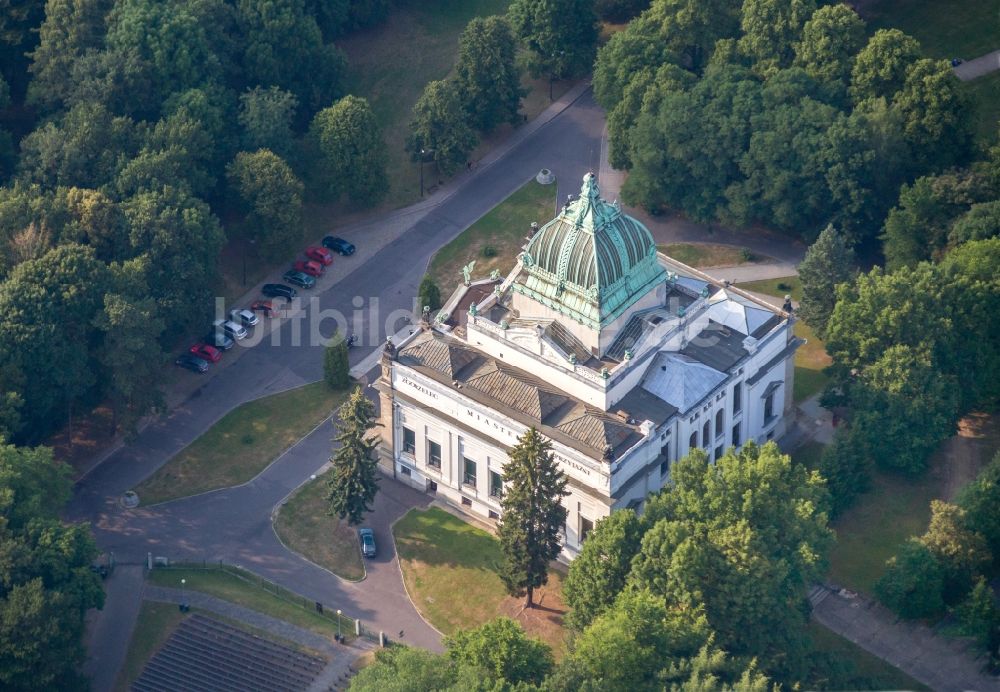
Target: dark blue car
(367, 538)
(338, 245)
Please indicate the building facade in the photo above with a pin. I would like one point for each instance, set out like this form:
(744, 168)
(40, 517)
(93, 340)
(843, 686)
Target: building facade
(624, 358)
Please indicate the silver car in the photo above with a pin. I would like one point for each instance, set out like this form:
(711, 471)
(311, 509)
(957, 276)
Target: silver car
(236, 331)
(245, 317)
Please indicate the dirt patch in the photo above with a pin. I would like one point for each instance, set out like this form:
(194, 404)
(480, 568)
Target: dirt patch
(959, 459)
(91, 435)
(545, 619)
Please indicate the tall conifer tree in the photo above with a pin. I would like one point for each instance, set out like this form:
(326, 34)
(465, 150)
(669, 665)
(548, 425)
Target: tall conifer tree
(354, 483)
(533, 515)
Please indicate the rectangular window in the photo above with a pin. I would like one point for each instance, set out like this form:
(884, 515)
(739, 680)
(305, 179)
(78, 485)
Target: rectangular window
(432, 486)
(409, 441)
(769, 408)
(494, 515)
(405, 470)
(718, 452)
(470, 473)
(737, 398)
(736, 435)
(586, 526)
(664, 467)
(496, 484)
(434, 455)
(467, 502)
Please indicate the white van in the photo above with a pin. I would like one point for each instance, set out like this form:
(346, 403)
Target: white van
(236, 331)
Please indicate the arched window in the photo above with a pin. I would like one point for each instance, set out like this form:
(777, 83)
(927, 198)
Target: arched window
(720, 421)
(693, 442)
(706, 433)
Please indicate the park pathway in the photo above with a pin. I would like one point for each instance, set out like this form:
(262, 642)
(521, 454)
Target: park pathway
(978, 67)
(943, 664)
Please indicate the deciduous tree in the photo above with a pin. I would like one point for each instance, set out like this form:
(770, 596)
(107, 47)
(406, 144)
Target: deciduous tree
(486, 77)
(530, 528)
(880, 68)
(770, 30)
(439, 132)
(599, 572)
(962, 553)
(336, 368)
(828, 44)
(271, 196)
(354, 479)
(351, 155)
(428, 295)
(912, 583)
(560, 35)
(266, 116)
(501, 649)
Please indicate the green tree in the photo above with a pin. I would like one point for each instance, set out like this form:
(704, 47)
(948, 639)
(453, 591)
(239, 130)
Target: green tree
(936, 113)
(404, 668)
(266, 116)
(46, 585)
(181, 239)
(19, 22)
(130, 352)
(91, 218)
(638, 642)
(71, 27)
(213, 108)
(533, 514)
(619, 11)
(354, 480)
(177, 151)
(283, 47)
(560, 35)
(690, 28)
(501, 649)
(336, 368)
(828, 262)
(744, 538)
(880, 68)
(845, 465)
(978, 613)
(486, 77)
(770, 30)
(351, 155)
(46, 332)
(980, 222)
(635, 48)
(981, 501)
(829, 42)
(429, 295)
(438, 129)
(173, 45)
(599, 572)
(271, 196)
(912, 583)
(962, 553)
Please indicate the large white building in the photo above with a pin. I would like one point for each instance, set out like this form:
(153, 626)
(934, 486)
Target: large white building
(624, 358)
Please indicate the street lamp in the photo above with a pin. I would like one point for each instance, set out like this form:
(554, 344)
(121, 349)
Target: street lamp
(552, 73)
(183, 597)
(340, 637)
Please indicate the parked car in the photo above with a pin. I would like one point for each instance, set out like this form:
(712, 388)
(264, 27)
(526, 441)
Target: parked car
(338, 245)
(310, 267)
(192, 362)
(236, 331)
(299, 279)
(279, 291)
(206, 352)
(265, 307)
(367, 538)
(320, 254)
(244, 317)
(218, 339)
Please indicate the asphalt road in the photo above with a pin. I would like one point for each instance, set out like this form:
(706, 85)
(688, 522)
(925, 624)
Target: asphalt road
(234, 524)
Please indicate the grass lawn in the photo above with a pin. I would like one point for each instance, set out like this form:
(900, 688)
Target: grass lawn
(304, 526)
(155, 624)
(450, 570)
(811, 359)
(503, 228)
(965, 29)
(883, 675)
(986, 91)
(710, 254)
(252, 593)
(242, 443)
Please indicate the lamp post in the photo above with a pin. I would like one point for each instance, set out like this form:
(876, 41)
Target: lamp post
(183, 596)
(340, 637)
(552, 75)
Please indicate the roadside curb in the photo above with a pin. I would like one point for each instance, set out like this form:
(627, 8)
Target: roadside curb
(402, 577)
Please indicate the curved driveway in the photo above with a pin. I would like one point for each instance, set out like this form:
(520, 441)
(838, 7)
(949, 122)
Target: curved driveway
(234, 524)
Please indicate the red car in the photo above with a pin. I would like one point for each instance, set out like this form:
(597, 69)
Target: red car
(310, 267)
(209, 353)
(320, 254)
(265, 307)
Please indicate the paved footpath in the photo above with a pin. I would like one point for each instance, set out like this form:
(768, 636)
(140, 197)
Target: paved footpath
(977, 67)
(339, 656)
(943, 664)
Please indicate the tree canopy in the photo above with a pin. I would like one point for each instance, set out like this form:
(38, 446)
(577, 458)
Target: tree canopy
(350, 151)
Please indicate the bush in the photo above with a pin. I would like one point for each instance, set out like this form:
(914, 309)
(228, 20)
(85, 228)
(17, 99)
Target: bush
(846, 470)
(489, 251)
(428, 295)
(978, 613)
(913, 581)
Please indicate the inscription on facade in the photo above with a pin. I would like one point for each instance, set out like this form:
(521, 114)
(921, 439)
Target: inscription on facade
(419, 387)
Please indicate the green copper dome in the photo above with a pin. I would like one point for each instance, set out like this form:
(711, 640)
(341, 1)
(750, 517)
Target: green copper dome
(592, 261)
